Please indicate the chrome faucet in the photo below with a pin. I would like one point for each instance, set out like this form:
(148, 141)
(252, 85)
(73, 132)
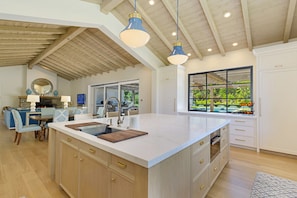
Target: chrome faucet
(119, 121)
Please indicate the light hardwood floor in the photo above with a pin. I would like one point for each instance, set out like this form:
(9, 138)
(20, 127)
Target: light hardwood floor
(24, 169)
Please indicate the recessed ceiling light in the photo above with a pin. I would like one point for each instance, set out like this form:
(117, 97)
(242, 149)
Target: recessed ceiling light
(189, 54)
(151, 2)
(227, 14)
(209, 49)
(234, 44)
(173, 33)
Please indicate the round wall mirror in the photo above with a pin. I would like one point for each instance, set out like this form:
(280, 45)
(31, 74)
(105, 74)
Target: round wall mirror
(42, 86)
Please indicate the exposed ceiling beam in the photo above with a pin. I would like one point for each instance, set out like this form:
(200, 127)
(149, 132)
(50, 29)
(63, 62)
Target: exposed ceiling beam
(289, 21)
(246, 21)
(172, 12)
(107, 5)
(212, 26)
(30, 30)
(71, 33)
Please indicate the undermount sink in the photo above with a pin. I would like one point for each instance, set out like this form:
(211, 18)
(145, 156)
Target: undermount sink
(98, 129)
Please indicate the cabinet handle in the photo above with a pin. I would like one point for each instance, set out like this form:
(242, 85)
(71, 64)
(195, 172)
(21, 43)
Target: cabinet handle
(215, 169)
(92, 150)
(239, 130)
(202, 187)
(201, 161)
(81, 159)
(69, 139)
(113, 179)
(74, 156)
(122, 165)
(239, 121)
(239, 140)
(201, 143)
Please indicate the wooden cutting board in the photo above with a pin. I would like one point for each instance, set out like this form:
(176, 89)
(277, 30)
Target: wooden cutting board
(121, 135)
(76, 126)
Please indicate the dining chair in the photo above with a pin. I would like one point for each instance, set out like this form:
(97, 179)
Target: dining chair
(20, 128)
(61, 115)
(100, 112)
(83, 116)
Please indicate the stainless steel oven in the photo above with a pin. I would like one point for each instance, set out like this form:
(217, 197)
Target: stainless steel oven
(215, 144)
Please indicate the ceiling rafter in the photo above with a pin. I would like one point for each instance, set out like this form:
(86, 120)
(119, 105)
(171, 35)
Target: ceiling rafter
(30, 30)
(71, 33)
(289, 21)
(181, 26)
(246, 21)
(212, 26)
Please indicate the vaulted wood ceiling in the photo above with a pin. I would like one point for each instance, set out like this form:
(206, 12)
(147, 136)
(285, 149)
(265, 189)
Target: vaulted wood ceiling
(76, 52)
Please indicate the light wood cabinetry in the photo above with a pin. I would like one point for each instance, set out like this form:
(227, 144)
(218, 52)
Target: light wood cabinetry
(83, 170)
(243, 132)
(277, 71)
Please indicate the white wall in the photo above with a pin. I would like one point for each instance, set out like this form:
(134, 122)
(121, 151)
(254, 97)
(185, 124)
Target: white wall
(12, 85)
(139, 72)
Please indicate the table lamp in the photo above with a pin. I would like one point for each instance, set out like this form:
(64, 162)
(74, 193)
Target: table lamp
(65, 99)
(33, 99)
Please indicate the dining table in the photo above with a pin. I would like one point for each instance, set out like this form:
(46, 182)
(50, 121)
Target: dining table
(42, 122)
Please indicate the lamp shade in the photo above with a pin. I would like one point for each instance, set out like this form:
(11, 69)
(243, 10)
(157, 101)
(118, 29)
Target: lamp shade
(134, 35)
(33, 98)
(177, 56)
(65, 98)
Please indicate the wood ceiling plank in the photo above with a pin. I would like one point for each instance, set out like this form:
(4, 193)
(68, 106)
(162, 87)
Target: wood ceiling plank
(212, 25)
(30, 30)
(59, 70)
(106, 48)
(289, 21)
(183, 29)
(24, 47)
(107, 5)
(246, 20)
(71, 33)
(25, 42)
(28, 37)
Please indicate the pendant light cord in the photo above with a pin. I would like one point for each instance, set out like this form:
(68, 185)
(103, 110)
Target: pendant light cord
(176, 20)
(134, 5)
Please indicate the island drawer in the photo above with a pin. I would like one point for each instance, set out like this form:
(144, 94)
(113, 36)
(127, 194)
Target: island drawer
(69, 140)
(200, 144)
(96, 153)
(200, 160)
(123, 166)
(200, 185)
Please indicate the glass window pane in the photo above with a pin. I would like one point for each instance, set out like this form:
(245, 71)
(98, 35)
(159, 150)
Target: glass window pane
(216, 78)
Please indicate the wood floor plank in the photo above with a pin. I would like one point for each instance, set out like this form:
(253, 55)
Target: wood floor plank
(24, 169)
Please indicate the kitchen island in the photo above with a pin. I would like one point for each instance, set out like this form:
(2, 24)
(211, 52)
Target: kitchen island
(172, 160)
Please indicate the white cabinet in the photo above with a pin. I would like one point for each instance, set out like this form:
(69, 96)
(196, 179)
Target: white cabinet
(243, 132)
(171, 89)
(277, 93)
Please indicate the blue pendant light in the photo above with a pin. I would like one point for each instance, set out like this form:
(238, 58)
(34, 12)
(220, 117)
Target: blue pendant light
(134, 35)
(177, 56)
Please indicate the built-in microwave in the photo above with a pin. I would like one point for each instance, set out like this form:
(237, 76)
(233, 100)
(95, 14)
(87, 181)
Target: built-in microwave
(215, 145)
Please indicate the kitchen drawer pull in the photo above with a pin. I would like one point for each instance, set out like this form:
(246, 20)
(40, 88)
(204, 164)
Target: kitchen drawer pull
(201, 161)
(239, 130)
(215, 169)
(122, 165)
(74, 156)
(239, 140)
(69, 139)
(202, 187)
(201, 143)
(239, 121)
(92, 150)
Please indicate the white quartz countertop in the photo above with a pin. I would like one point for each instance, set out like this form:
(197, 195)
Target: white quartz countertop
(167, 135)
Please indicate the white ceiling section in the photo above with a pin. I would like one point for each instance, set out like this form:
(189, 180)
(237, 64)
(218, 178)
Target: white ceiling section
(79, 38)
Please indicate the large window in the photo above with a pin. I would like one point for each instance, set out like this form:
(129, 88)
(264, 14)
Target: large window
(226, 91)
(126, 92)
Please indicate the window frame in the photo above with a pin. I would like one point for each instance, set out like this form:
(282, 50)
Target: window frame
(227, 84)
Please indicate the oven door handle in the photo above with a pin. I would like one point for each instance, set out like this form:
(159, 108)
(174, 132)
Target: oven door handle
(215, 140)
